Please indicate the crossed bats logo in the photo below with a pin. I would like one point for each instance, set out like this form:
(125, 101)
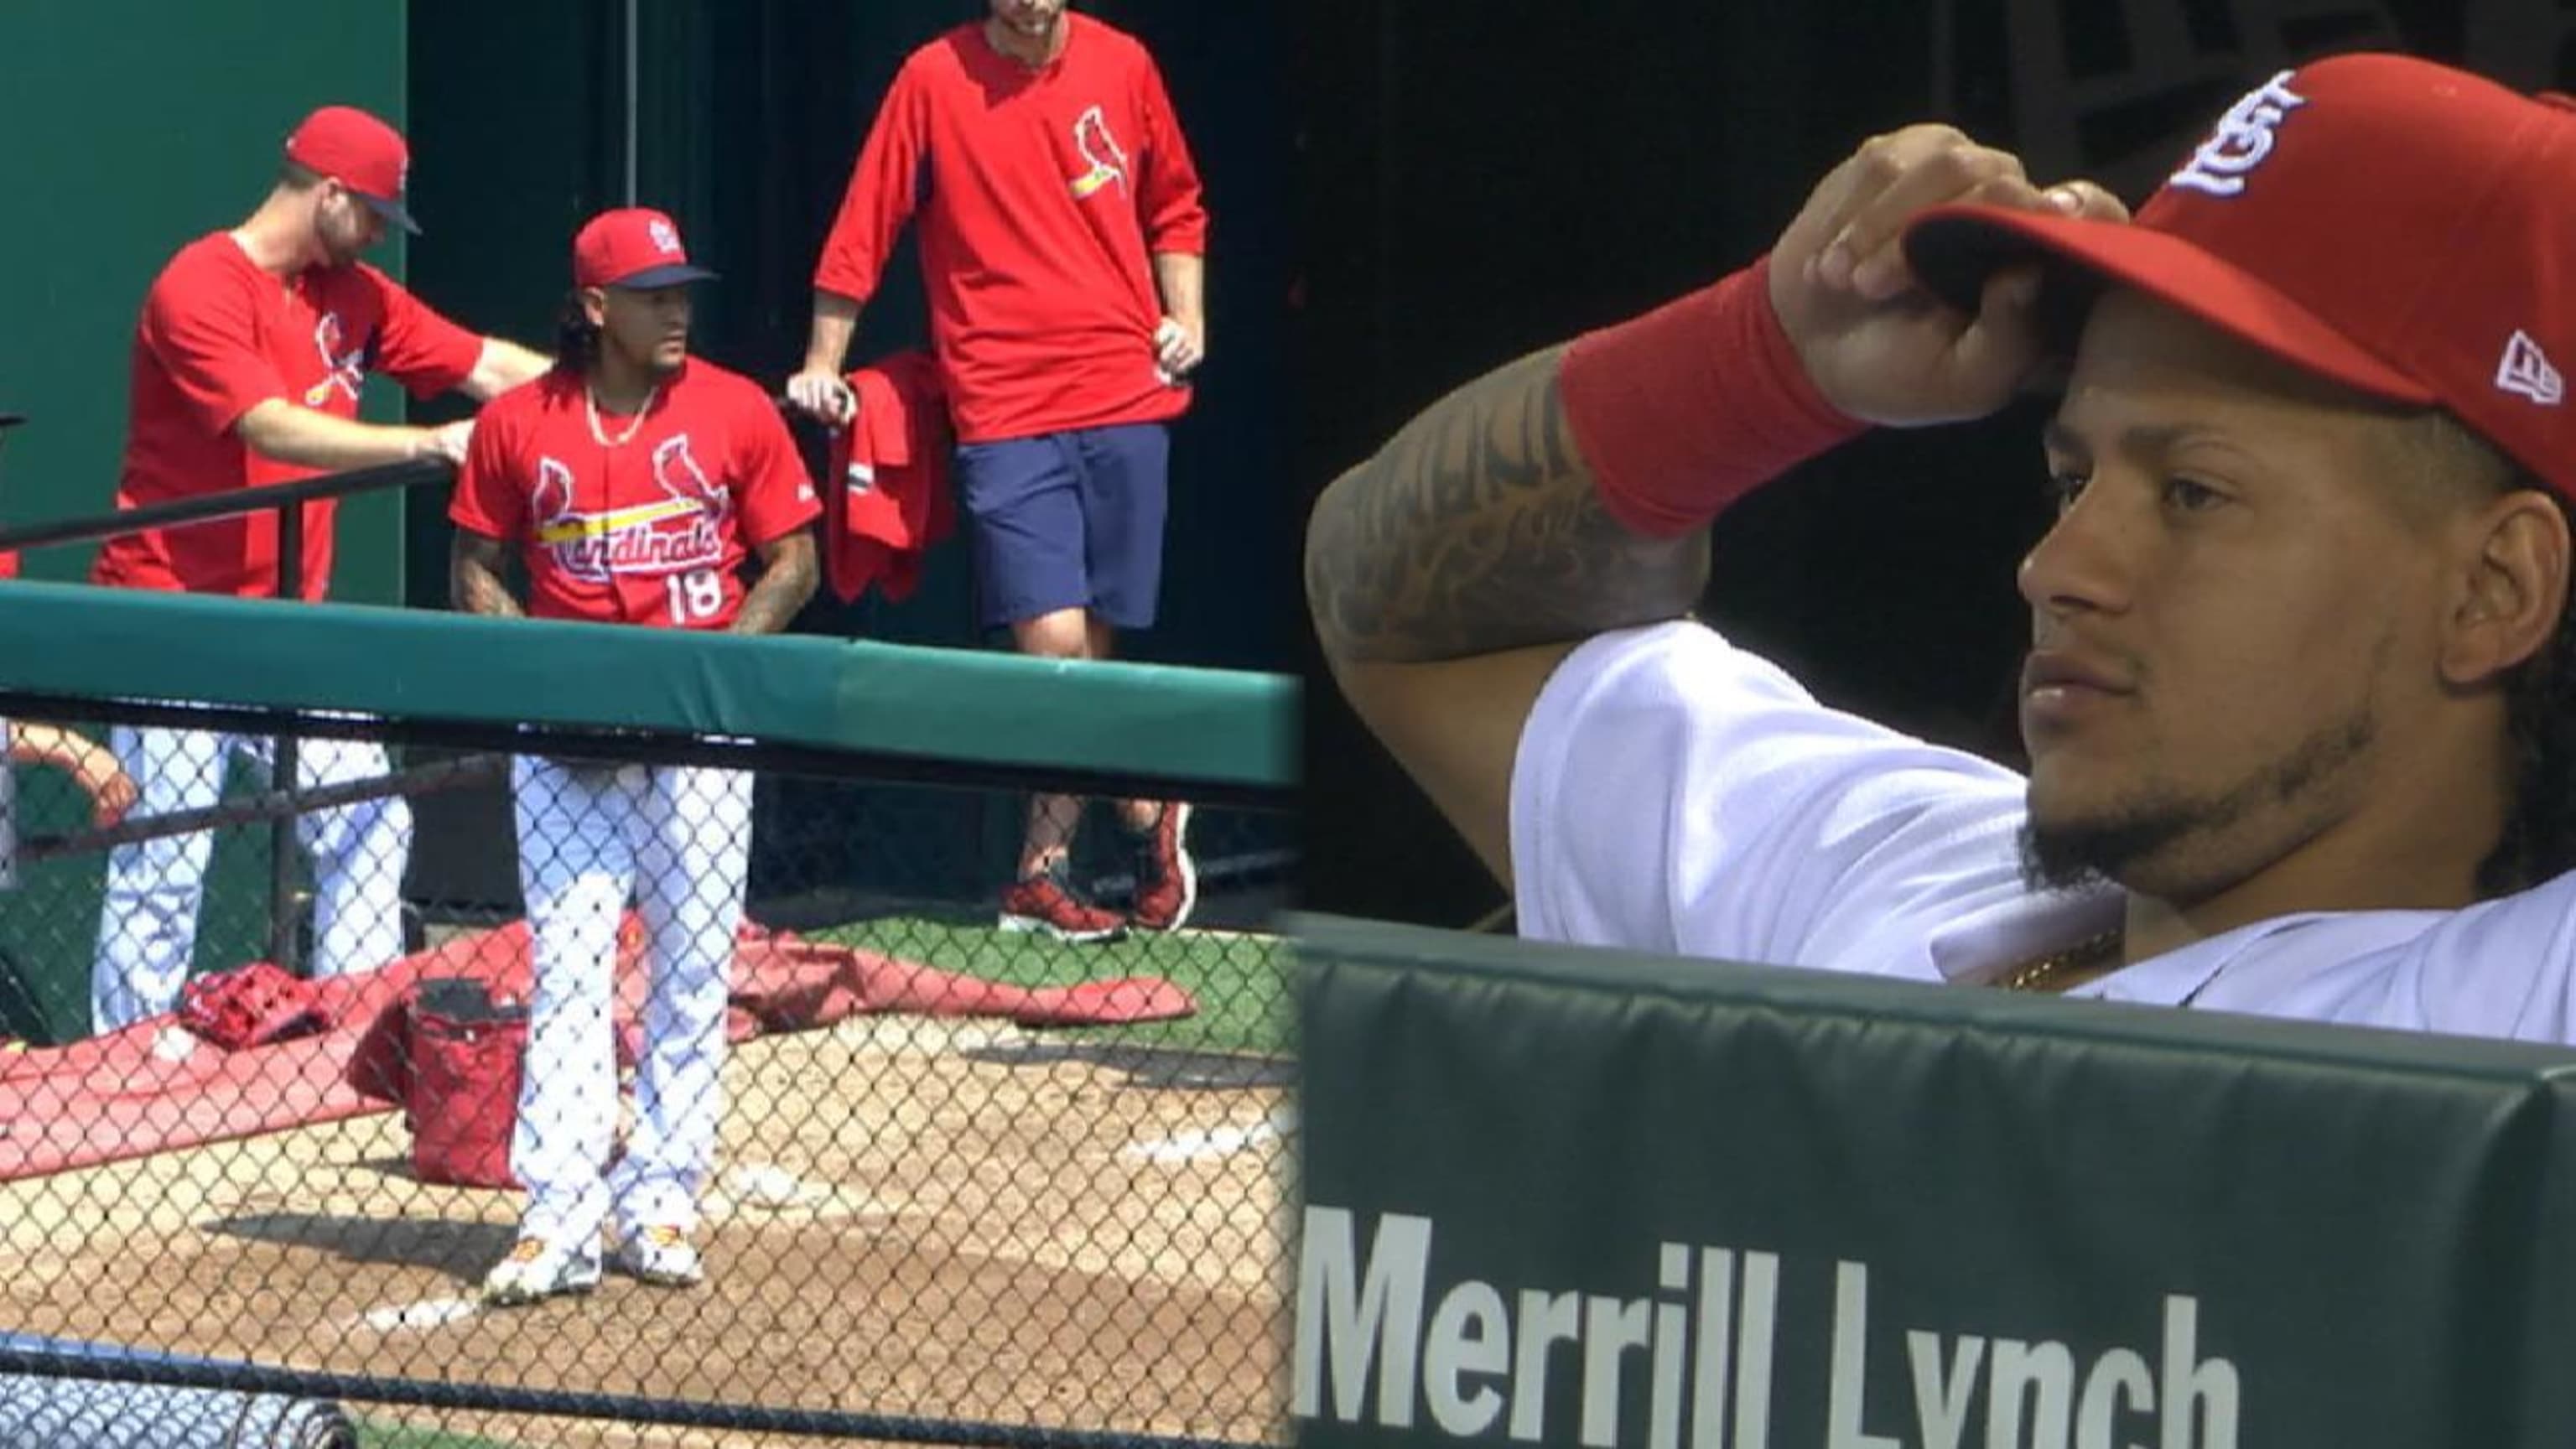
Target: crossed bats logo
(684, 529)
(1108, 163)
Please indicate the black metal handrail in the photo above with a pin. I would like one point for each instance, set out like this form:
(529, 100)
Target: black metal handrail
(381, 477)
(288, 499)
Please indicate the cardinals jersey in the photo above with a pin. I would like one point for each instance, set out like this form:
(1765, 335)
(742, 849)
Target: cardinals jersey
(648, 528)
(217, 337)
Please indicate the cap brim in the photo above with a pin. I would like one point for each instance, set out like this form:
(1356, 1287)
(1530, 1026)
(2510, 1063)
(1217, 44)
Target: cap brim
(11, 420)
(390, 210)
(1955, 249)
(671, 276)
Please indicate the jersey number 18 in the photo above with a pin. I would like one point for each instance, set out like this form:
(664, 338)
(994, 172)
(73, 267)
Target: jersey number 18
(698, 594)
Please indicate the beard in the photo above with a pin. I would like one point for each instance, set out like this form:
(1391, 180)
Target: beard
(2126, 845)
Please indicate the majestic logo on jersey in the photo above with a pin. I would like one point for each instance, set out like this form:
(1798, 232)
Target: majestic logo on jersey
(344, 367)
(1108, 163)
(2244, 136)
(682, 530)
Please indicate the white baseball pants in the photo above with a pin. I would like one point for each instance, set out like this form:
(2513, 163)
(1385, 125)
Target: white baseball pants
(147, 930)
(677, 840)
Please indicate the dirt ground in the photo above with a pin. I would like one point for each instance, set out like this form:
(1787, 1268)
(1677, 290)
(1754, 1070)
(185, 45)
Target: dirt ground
(910, 1218)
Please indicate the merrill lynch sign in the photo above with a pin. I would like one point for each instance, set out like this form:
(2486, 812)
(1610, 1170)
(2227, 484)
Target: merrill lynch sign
(1382, 1338)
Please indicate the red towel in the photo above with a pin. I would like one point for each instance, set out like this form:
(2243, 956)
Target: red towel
(887, 501)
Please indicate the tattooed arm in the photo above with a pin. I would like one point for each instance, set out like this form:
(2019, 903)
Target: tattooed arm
(1448, 574)
(1477, 528)
(475, 585)
(1452, 571)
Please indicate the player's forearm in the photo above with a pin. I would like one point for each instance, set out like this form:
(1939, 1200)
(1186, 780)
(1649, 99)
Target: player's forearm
(787, 579)
(474, 583)
(1181, 277)
(31, 743)
(502, 366)
(1477, 528)
(283, 432)
(827, 342)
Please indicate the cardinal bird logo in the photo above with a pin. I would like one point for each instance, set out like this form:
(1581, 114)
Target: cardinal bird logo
(1108, 163)
(343, 370)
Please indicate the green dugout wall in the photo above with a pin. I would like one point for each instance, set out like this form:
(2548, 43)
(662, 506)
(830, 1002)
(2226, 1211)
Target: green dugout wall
(134, 127)
(1579, 1197)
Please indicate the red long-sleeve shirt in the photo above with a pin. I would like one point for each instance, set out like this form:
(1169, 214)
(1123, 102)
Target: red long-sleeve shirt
(1042, 197)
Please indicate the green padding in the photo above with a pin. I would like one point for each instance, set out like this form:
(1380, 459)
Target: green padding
(979, 707)
(1838, 1212)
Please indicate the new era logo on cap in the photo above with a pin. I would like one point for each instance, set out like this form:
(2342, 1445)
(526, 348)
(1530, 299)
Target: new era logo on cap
(2526, 370)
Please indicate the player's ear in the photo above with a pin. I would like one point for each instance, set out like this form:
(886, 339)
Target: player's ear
(2514, 586)
(594, 305)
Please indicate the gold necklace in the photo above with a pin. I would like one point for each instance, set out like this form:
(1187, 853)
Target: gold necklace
(2093, 950)
(590, 404)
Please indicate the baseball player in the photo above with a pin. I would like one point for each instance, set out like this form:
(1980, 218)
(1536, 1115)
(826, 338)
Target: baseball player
(2298, 701)
(634, 481)
(1063, 243)
(247, 364)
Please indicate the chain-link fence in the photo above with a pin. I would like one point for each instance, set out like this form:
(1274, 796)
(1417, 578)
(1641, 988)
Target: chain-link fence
(633, 1086)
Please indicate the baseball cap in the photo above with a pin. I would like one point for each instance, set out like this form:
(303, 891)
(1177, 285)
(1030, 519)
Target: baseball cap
(361, 153)
(634, 247)
(2397, 226)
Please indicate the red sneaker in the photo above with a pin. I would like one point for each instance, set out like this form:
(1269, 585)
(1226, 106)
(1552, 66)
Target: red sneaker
(1046, 902)
(1167, 881)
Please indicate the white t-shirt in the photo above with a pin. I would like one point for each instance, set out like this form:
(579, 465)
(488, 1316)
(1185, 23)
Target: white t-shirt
(1674, 793)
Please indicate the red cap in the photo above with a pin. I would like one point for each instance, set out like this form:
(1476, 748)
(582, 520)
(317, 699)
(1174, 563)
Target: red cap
(636, 248)
(361, 153)
(2394, 225)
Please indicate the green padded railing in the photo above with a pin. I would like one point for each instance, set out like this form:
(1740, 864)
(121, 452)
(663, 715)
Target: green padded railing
(978, 707)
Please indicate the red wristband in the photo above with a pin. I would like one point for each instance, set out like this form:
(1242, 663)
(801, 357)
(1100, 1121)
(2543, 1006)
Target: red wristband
(1688, 408)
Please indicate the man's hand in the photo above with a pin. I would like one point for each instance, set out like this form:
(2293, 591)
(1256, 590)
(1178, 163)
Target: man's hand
(1180, 345)
(447, 442)
(823, 396)
(111, 790)
(1878, 347)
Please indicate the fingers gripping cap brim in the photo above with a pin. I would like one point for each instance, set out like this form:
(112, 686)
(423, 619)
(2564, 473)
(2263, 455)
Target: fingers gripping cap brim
(390, 210)
(1955, 249)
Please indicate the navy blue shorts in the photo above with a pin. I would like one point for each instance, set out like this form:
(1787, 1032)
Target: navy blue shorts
(1070, 520)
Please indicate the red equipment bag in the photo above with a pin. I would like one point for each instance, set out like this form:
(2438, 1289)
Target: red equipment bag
(466, 1053)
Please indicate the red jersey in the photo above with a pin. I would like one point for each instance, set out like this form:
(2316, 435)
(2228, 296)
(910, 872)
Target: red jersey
(650, 528)
(1047, 192)
(219, 336)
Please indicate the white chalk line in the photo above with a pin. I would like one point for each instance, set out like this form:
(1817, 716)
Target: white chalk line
(1201, 1143)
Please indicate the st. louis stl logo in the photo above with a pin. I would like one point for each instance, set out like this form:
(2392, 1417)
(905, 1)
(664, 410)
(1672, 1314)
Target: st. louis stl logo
(2244, 136)
(1108, 163)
